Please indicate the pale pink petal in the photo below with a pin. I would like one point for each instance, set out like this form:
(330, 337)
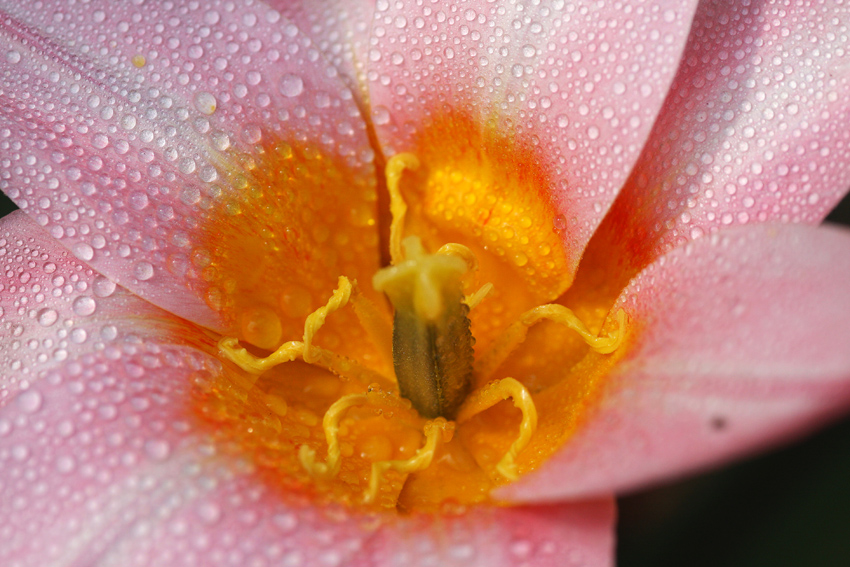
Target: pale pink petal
(740, 341)
(579, 534)
(340, 28)
(124, 128)
(54, 307)
(102, 466)
(578, 85)
(756, 128)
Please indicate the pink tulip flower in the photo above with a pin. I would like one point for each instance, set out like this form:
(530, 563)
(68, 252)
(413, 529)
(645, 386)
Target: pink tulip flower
(193, 175)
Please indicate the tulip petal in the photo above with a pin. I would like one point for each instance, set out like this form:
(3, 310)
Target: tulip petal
(106, 470)
(54, 307)
(756, 128)
(340, 28)
(130, 132)
(539, 536)
(103, 461)
(576, 85)
(739, 341)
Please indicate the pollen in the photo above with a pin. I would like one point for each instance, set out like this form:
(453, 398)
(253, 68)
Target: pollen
(414, 386)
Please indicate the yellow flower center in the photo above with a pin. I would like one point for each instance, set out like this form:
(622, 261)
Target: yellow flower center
(364, 385)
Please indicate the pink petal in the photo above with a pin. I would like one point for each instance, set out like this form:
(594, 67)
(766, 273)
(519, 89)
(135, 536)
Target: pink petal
(340, 28)
(106, 469)
(54, 307)
(578, 84)
(539, 536)
(756, 129)
(740, 342)
(122, 129)
(102, 462)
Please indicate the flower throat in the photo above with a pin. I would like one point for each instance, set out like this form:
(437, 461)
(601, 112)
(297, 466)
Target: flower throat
(420, 425)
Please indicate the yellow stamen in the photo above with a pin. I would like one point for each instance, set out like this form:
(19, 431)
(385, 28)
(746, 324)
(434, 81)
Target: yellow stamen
(461, 251)
(493, 393)
(230, 348)
(398, 208)
(330, 424)
(435, 430)
(316, 319)
(374, 322)
(517, 332)
(476, 298)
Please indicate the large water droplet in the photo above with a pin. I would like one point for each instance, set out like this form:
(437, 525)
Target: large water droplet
(291, 85)
(30, 401)
(47, 317)
(84, 305)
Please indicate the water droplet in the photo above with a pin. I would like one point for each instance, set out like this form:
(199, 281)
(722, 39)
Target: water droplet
(103, 286)
(205, 102)
(13, 56)
(84, 306)
(291, 85)
(83, 251)
(143, 271)
(47, 317)
(157, 450)
(30, 401)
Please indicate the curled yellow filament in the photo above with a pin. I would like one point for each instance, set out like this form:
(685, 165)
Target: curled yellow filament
(486, 397)
(515, 334)
(434, 431)
(330, 423)
(396, 166)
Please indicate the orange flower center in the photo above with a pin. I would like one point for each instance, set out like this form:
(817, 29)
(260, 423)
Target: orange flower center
(372, 397)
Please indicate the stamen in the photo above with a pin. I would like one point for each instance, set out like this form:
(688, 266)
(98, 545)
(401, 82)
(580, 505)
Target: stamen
(398, 208)
(518, 331)
(476, 298)
(462, 252)
(468, 256)
(435, 430)
(493, 393)
(230, 348)
(316, 319)
(330, 424)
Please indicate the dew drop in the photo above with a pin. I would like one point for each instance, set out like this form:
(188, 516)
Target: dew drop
(157, 450)
(103, 286)
(47, 317)
(30, 401)
(84, 306)
(291, 85)
(143, 271)
(83, 251)
(205, 102)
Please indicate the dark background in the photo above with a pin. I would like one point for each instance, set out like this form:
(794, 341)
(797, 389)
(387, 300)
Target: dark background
(787, 508)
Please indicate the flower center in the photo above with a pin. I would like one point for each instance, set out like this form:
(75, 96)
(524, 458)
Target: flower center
(387, 395)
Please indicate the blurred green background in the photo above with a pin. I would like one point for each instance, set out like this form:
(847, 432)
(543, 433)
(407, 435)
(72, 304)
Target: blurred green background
(787, 508)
